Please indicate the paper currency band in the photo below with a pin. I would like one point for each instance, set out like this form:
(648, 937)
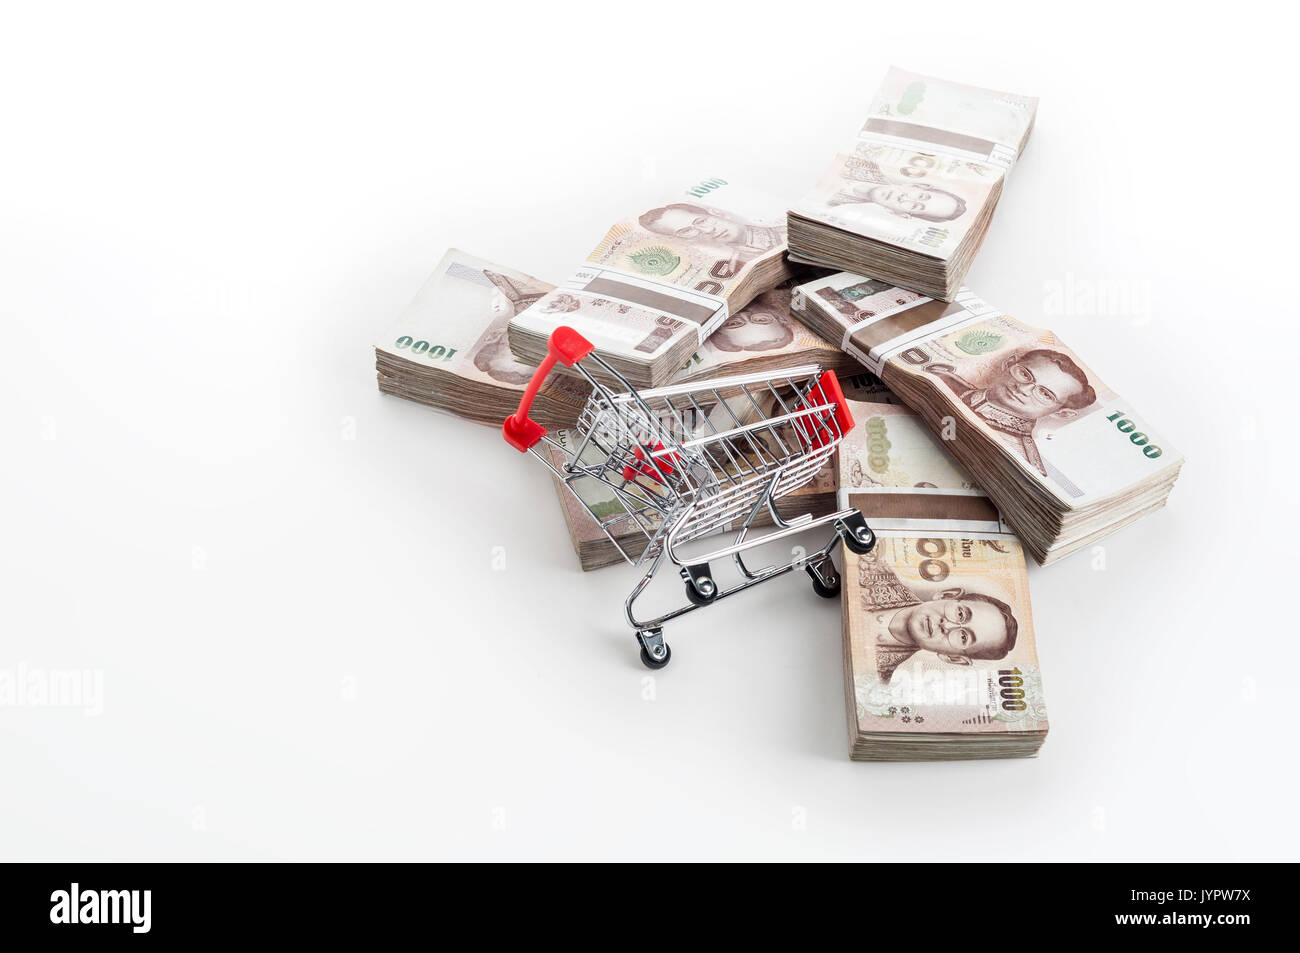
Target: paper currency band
(932, 138)
(876, 339)
(924, 506)
(980, 523)
(929, 530)
(705, 311)
(903, 511)
(929, 515)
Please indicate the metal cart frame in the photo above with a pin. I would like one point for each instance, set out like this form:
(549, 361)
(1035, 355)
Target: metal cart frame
(685, 461)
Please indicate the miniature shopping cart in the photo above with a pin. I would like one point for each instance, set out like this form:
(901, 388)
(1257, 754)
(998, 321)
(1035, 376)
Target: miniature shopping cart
(689, 460)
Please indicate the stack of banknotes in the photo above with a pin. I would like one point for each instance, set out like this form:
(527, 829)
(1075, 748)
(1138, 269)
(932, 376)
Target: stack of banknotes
(1064, 457)
(448, 349)
(662, 281)
(911, 200)
(939, 655)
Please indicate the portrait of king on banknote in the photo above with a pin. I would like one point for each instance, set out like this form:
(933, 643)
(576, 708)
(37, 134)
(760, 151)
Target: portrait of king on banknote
(957, 625)
(865, 183)
(735, 240)
(760, 327)
(1029, 386)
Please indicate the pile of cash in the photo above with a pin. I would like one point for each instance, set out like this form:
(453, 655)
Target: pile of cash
(939, 654)
(911, 201)
(1065, 459)
(662, 281)
(969, 438)
(448, 349)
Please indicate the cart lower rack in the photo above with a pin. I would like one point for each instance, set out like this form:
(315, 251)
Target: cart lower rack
(691, 460)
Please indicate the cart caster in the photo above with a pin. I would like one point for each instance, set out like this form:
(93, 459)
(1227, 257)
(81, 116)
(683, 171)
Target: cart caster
(655, 652)
(825, 580)
(653, 663)
(700, 587)
(857, 535)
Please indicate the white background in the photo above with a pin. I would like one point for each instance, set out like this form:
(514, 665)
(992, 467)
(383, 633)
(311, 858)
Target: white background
(209, 213)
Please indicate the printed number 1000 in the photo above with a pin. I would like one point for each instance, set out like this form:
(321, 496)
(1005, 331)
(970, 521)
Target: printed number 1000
(419, 347)
(1135, 436)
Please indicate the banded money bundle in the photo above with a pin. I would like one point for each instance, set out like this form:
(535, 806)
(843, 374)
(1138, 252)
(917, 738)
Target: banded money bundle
(448, 349)
(661, 282)
(1065, 459)
(911, 201)
(940, 661)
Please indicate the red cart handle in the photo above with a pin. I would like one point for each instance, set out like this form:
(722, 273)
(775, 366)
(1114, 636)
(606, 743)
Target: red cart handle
(825, 391)
(565, 345)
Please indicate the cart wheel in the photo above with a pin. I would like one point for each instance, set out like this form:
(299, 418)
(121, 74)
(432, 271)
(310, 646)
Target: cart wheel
(653, 663)
(701, 589)
(698, 598)
(858, 537)
(822, 589)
